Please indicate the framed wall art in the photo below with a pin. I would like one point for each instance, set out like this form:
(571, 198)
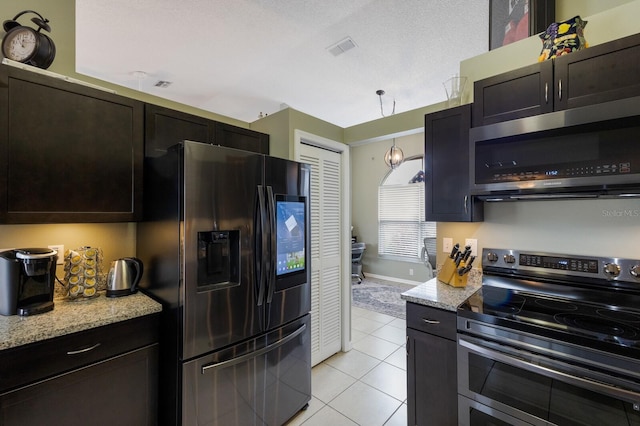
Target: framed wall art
(513, 20)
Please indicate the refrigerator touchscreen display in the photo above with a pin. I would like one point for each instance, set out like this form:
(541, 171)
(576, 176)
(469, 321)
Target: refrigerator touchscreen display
(290, 236)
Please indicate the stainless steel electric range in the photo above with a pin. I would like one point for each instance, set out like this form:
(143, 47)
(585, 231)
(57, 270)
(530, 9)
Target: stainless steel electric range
(551, 339)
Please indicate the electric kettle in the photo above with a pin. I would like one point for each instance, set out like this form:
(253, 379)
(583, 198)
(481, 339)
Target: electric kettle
(124, 276)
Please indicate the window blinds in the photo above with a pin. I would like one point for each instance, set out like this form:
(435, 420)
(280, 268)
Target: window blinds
(401, 224)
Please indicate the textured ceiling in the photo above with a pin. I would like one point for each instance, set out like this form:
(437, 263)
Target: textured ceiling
(239, 58)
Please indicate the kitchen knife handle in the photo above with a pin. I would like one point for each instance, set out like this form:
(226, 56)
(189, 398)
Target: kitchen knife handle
(454, 250)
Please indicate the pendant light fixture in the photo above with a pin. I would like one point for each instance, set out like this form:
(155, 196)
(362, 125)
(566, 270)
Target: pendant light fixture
(394, 156)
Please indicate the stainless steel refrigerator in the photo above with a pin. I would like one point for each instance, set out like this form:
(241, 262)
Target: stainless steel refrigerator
(225, 245)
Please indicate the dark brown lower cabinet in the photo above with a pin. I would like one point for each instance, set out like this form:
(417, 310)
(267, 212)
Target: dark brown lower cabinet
(108, 378)
(120, 390)
(431, 367)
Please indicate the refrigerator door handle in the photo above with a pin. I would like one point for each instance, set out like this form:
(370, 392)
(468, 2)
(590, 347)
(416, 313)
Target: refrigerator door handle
(261, 244)
(250, 355)
(273, 255)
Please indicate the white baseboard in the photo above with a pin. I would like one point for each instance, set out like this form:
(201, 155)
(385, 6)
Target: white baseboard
(398, 280)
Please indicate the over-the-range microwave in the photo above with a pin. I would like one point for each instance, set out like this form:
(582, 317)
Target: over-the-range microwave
(585, 152)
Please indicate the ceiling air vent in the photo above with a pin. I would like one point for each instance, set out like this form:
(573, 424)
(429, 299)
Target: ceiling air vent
(342, 46)
(163, 84)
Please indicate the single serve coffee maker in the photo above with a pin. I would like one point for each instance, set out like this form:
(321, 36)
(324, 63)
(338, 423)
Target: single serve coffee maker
(27, 280)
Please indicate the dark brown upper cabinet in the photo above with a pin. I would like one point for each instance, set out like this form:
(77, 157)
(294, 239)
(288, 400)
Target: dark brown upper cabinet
(68, 152)
(237, 137)
(520, 93)
(602, 73)
(446, 154)
(166, 127)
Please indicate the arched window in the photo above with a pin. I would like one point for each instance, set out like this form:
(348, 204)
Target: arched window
(402, 228)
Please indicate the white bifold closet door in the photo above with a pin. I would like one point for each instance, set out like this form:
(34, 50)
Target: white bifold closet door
(326, 297)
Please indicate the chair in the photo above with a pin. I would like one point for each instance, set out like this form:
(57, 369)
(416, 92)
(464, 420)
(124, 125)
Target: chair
(357, 251)
(428, 254)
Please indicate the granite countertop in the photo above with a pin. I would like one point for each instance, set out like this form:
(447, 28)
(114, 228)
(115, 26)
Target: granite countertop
(437, 294)
(73, 316)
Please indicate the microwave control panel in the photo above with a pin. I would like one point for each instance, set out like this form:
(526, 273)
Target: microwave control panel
(563, 172)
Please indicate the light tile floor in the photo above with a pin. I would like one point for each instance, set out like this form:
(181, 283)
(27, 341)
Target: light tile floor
(365, 386)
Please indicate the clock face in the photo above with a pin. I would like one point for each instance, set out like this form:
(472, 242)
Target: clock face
(19, 44)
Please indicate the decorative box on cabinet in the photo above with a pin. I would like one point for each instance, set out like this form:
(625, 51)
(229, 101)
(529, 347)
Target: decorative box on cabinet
(447, 197)
(103, 376)
(432, 393)
(601, 73)
(68, 152)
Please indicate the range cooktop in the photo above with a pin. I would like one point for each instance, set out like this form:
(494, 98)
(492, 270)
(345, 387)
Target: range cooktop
(594, 321)
(569, 298)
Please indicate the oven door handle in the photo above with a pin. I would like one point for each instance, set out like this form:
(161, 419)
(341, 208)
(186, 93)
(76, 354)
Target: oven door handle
(582, 382)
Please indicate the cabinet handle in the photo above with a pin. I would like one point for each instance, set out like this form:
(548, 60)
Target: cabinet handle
(560, 89)
(430, 321)
(546, 92)
(81, 351)
(466, 199)
(408, 345)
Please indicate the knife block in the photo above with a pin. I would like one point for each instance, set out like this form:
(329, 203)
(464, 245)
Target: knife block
(448, 274)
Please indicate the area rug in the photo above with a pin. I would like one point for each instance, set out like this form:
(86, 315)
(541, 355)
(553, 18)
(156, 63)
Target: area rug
(380, 296)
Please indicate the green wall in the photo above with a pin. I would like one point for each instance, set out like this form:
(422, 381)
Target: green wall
(575, 227)
(571, 226)
(61, 15)
(526, 222)
(367, 172)
(282, 125)
(116, 239)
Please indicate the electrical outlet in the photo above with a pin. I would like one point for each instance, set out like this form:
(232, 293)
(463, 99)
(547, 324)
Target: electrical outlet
(474, 245)
(447, 245)
(410, 271)
(60, 249)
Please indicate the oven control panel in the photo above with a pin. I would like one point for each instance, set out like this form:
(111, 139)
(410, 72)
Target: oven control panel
(617, 269)
(564, 263)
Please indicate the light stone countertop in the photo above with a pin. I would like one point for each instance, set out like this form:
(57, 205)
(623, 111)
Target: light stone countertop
(73, 316)
(437, 294)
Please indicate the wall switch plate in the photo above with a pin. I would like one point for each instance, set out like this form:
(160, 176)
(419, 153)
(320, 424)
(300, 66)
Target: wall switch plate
(60, 249)
(474, 245)
(447, 245)
(410, 271)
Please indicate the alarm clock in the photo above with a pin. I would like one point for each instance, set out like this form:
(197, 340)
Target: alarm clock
(26, 45)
